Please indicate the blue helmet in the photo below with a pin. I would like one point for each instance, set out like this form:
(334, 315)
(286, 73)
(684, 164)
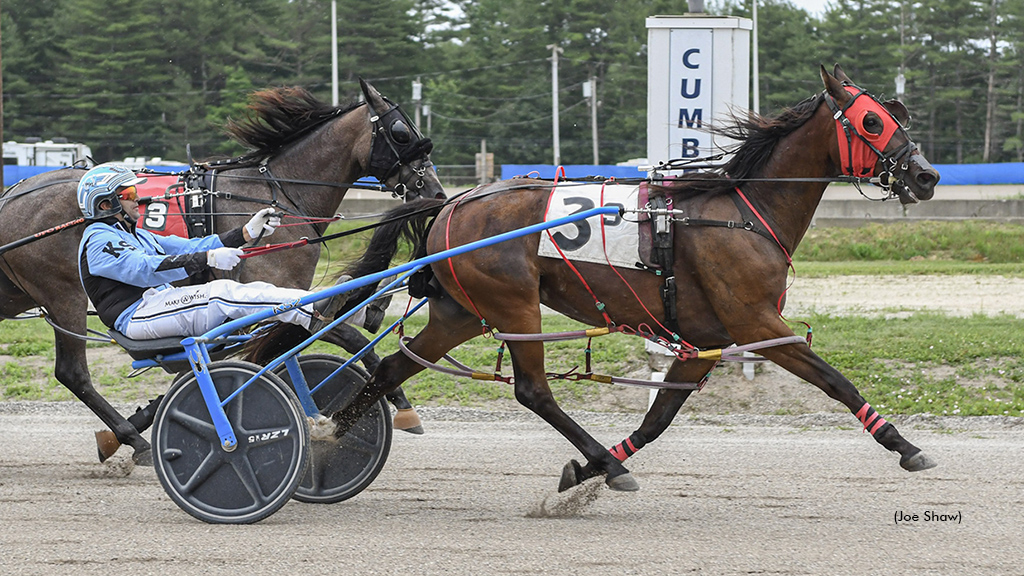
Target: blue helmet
(101, 183)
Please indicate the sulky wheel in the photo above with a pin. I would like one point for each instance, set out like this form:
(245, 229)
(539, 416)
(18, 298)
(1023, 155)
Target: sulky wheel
(255, 479)
(338, 470)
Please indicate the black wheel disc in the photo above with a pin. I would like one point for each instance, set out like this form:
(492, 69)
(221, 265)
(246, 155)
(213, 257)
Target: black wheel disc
(255, 479)
(339, 470)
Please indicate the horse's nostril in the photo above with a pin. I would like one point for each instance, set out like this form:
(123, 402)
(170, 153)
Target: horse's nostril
(926, 178)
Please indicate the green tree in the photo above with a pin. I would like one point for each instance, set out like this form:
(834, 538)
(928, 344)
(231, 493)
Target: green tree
(30, 60)
(789, 52)
(953, 96)
(115, 78)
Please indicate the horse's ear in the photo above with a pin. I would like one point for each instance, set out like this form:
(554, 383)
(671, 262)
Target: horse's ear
(370, 94)
(840, 75)
(833, 85)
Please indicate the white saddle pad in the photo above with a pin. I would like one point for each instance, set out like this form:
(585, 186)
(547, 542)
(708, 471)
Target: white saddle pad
(600, 239)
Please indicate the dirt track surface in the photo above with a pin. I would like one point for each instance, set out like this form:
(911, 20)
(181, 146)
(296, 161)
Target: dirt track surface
(475, 495)
(953, 295)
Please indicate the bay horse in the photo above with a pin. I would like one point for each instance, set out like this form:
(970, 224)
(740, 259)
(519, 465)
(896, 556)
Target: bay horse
(304, 155)
(730, 281)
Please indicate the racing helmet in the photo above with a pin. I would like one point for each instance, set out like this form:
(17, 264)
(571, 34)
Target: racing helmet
(101, 183)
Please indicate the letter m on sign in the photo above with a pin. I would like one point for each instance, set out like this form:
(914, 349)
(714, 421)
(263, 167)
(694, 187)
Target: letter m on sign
(688, 121)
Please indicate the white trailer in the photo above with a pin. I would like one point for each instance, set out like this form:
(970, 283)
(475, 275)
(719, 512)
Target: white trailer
(45, 153)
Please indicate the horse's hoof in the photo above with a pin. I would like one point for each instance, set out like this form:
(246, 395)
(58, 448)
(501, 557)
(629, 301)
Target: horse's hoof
(143, 457)
(623, 483)
(406, 419)
(570, 476)
(106, 444)
(321, 429)
(917, 462)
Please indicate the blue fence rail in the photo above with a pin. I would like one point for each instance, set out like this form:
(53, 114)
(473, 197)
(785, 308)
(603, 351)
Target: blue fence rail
(952, 174)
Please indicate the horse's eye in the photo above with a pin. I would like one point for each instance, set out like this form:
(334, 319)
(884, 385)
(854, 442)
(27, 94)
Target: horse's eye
(873, 124)
(400, 132)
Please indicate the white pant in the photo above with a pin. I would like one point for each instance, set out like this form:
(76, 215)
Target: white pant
(195, 310)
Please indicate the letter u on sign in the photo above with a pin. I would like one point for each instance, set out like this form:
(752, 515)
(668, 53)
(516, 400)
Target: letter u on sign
(696, 88)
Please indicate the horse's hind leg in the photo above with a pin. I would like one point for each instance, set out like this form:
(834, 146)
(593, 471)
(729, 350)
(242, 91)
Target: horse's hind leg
(449, 326)
(658, 418)
(532, 390)
(352, 341)
(800, 360)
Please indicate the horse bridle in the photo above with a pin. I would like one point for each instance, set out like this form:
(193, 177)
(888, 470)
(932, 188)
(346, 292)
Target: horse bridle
(899, 157)
(396, 143)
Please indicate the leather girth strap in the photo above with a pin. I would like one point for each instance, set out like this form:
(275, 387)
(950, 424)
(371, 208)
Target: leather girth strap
(663, 256)
(197, 209)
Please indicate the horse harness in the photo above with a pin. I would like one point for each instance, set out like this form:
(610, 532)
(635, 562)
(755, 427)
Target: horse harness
(395, 142)
(657, 252)
(858, 156)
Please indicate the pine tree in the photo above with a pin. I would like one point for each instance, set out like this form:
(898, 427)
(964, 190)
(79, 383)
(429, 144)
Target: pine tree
(115, 79)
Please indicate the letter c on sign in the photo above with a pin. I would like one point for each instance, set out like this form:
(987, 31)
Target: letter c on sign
(686, 58)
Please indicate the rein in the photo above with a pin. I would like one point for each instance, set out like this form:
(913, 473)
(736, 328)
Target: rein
(266, 249)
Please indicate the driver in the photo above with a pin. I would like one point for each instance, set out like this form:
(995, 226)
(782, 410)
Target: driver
(127, 271)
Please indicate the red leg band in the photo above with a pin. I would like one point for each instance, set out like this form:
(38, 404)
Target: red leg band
(871, 420)
(625, 449)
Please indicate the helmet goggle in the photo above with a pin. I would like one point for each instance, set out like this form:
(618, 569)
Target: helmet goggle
(129, 193)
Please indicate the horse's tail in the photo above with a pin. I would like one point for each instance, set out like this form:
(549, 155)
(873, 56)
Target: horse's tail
(409, 221)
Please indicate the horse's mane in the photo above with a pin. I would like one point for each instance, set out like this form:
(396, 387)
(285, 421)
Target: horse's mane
(757, 136)
(277, 117)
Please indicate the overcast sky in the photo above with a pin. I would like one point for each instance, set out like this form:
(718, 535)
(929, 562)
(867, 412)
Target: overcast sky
(815, 7)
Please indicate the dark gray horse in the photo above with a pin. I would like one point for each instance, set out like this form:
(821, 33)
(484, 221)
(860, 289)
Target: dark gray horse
(304, 156)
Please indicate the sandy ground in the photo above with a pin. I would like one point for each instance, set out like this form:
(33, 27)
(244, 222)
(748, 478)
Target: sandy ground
(733, 495)
(954, 295)
(747, 493)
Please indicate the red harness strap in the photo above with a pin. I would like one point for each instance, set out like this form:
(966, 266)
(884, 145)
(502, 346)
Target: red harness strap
(597, 302)
(451, 266)
(789, 259)
(764, 223)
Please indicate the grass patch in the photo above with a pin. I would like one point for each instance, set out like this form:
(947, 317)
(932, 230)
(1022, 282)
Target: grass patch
(929, 363)
(963, 241)
(923, 363)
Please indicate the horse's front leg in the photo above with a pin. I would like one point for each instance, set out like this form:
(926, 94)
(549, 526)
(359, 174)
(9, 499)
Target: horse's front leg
(658, 418)
(800, 360)
(532, 391)
(72, 370)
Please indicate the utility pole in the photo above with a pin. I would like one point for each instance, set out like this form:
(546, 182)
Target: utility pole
(555, 50)
(590, 91)
(901, 80)
(757, 66)
(334, 52)
(1, 114)
(417, 98)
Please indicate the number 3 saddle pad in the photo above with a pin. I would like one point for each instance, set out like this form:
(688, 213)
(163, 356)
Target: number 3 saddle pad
(600, 239)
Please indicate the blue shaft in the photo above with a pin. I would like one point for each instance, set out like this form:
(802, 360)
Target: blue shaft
(374, 278)
(196, 347)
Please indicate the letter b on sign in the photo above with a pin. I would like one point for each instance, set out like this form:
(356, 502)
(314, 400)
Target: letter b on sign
(691, 148)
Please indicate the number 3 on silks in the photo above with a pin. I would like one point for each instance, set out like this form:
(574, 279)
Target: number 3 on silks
(156, 216)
